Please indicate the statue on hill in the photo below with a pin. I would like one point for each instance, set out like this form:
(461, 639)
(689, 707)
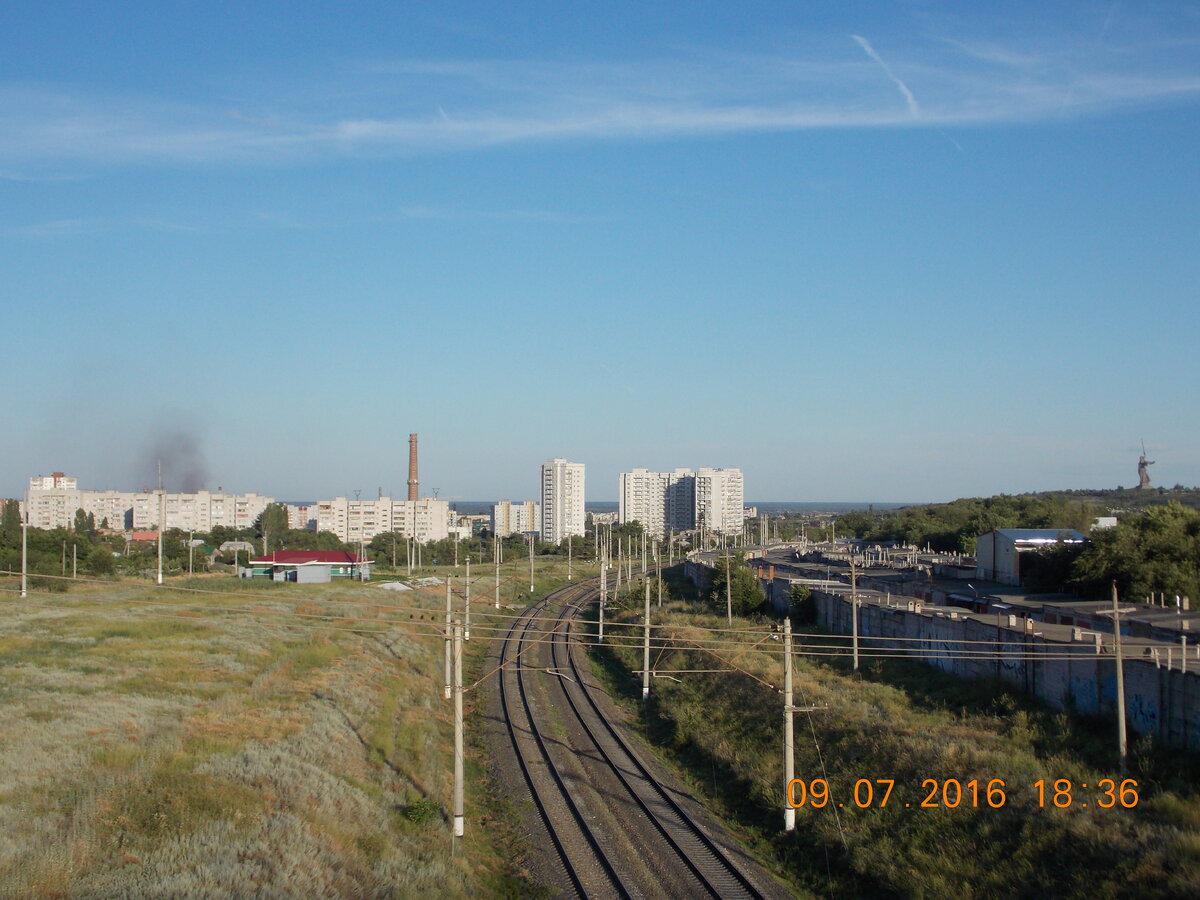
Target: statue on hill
(1144, 469)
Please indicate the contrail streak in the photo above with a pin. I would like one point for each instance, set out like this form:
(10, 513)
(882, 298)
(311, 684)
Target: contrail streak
(913, 108)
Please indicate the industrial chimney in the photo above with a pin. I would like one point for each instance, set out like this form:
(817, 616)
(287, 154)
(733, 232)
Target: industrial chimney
(412, 467)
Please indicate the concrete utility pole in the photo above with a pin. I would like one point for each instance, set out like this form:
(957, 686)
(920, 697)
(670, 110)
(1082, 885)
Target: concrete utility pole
(467, 617)
(449, 638)
(569, 578)
(531, 563)
(1122, 746)
(25, 550)
(657, 566)
(646, 649)
(162, 523)
(74, 561)
(496, 551)
(191, 550)
(729, 588)
(603, 593)
(459, 820)
(854, 608)
(617, 592)
(789, 745)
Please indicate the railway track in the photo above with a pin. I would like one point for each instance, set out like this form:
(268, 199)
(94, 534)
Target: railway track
(558, 730)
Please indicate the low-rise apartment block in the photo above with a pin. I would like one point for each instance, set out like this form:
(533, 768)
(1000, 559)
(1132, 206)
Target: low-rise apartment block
(360, 520)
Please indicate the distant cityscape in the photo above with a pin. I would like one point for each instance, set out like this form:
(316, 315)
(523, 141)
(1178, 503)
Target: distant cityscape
(708, 499)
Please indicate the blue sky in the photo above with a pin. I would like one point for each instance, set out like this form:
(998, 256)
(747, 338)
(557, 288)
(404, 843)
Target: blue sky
(864, 251)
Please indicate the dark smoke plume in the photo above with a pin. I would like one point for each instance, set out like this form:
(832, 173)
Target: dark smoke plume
(183, 464)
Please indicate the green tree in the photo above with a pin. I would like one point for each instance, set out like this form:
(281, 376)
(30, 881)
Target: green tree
(272, 527)
(804, 605)
(745, 591)
(1157, 550)
(81, 522)
(10, 524)
(99, 561)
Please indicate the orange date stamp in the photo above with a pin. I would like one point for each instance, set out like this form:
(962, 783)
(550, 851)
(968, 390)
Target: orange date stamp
(975, 793)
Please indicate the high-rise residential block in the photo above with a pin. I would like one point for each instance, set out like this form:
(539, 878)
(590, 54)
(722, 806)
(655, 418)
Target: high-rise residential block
(660, 501)
(719, 500)
(682, 500)
(562, 486)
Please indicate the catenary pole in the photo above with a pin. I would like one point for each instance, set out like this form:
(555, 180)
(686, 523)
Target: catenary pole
(459, 820)
(789, 745)
(25, 551)
(659, 570)
(162, 528)
(449, 637)
(729, 588)
(467, 616)
(603, 593)
(646, 648)
(854, 607)
(1122, 745)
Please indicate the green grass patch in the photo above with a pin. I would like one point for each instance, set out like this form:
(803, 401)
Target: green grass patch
(382, 741)
(725, 731)
(173, 801)
(317, 655)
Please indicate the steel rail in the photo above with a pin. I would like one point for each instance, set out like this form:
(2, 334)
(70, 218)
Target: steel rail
(519, 632)
(675, 824)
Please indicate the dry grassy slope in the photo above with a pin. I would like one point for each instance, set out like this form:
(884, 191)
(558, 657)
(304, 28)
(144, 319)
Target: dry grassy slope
(185, 744)
(727, 730)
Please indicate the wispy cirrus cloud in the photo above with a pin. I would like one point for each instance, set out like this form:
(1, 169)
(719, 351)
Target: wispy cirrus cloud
(913, 107)
(389, 108)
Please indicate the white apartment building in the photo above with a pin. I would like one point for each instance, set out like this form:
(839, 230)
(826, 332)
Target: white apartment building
(360, 520)
(682, 500)
(660, 501)
(301, 517)
(719, 500)
(199, 511)
(562, 486)
(510, 517)
(57, 481)
(54, 500)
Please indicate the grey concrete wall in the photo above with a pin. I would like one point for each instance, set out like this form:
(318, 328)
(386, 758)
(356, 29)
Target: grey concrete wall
(1161, 701)
(1158, 701)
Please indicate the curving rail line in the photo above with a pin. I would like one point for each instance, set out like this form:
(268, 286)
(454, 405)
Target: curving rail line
(698, 861)
(519, 718)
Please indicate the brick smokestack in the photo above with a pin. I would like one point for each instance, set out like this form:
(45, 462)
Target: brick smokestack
(412, 467)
